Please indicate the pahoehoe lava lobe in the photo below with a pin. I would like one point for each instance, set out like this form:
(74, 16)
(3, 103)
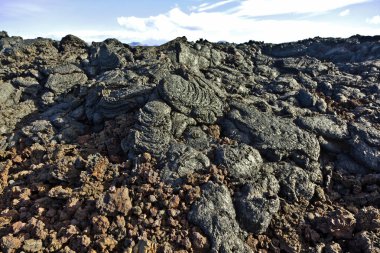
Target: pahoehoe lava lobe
(189, 146)
(194, 98)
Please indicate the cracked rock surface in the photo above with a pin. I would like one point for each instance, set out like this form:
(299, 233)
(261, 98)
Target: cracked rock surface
(189, 146)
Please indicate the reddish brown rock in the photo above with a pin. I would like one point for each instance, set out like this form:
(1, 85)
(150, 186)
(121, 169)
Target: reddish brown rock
(114, 203)
(100, 224)
(9, 243)
(339, 223)
(199, 242)
(32, 245)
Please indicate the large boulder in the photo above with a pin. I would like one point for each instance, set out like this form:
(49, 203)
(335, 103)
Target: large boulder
(196, 98)
(214, 213)
(242, 161)
(152, 132)
(277, 138)
(257, 202)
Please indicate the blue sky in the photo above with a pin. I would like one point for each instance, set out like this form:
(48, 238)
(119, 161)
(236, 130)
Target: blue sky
(154, 22)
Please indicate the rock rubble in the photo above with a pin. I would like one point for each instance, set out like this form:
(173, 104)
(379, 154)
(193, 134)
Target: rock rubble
(189, 146)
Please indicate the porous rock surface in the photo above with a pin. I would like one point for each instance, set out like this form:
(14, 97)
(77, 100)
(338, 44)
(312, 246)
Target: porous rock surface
(189, 146)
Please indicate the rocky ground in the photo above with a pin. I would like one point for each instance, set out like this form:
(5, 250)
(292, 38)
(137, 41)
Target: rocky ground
(190, 147)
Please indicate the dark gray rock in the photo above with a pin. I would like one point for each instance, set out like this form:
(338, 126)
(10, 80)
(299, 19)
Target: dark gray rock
(3, 34)
(368, 218)
(367, 133)
(329, 145)
(70, 42)
(63, 78)
(9, 95)
(73, 49)
(214, 213)
(182, 161)
(40, 131)
(180, 123)
(13, 115)
(197, 138)
(295, 183)
(62, 69)
(71, 130)
(114, 102)
(366, 241)
(329, 127)
(256, 202)
(275, 137)
(307, 81)
(367, 155)
(275, 124)
(365, 146)
(305, 98)
(242, 161)
(113, 78)
(196, 58)
(345, 163)
(195, 98)
(354, 49)
(47, 98)
(152, 132)
(29, 85)
(108, 55)
(283, 84)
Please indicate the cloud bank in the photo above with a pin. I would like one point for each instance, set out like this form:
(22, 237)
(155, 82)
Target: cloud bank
(345, 13)
(240, 21)
(375, 20)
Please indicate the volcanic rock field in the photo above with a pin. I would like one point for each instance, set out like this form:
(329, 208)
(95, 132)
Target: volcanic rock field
(189, 146)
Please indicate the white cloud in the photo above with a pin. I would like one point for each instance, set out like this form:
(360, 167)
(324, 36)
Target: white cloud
(344, 13)
(275, 7)
(238, 24)
(133, 23)
(375, 20)
(206, 6)
(241, 24)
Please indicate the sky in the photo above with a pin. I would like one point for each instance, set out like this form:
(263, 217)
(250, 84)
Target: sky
(154, 22)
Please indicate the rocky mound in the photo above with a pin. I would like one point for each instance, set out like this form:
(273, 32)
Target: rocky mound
(189, 147)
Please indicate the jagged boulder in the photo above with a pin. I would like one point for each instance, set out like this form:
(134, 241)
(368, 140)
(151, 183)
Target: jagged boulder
(275, 137)
(214, 213)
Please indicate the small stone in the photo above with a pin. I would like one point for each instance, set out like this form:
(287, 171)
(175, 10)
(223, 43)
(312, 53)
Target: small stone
(186, 243)
(333, 248)
(368, 218)
(199, 241)
(311, 216)
(137, 210)
(107, 243)
(305, 98)
(214, 131)
(152, 198)
(174, 202)
(60, 192)
(153, 211)
(172, 222)
(100, 224)
(146, 157)
(172, 212)
(145, 246)
(18, 226)
(17, 159)
(32, 245)
(113, 203)
(9, 243)
(339, 223)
